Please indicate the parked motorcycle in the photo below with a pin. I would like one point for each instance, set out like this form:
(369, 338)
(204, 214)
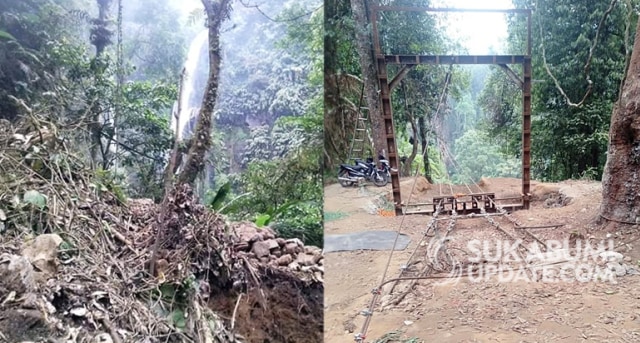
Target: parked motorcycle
(386, 168)
(362, 170)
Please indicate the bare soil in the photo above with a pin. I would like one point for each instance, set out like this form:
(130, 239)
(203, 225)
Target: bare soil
(487, 311)
(285, 309)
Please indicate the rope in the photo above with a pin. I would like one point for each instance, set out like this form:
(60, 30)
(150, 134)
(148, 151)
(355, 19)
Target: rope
(431, 226)
(500, 209)
(377, 291)
(458, 168)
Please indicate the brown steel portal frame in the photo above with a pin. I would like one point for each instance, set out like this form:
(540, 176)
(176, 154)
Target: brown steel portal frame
(408, 61)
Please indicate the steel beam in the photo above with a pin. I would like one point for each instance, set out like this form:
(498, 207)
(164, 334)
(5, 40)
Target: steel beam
(432, 9)
(454, 59)
(387, 114)
(401, 74)
(411, 60)
(512, 75)
(526, 133)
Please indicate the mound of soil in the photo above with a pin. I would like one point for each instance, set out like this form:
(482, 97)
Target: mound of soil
(422, 184)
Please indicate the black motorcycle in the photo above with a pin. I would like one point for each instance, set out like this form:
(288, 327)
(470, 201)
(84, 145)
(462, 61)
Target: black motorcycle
(386, 168)
(362, 170)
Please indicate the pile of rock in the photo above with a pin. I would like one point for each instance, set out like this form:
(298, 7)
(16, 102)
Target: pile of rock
(262, 244)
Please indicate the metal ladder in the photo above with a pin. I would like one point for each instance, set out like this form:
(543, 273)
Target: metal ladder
(360, 136)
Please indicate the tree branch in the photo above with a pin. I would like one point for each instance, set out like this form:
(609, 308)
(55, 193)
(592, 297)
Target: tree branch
(587, 66)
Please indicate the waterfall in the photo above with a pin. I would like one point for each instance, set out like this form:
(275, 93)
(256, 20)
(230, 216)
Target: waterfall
(196, 73)
(196, 69)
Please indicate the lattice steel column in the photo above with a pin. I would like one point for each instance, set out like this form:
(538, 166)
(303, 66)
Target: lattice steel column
(387, 114)
(526, 132)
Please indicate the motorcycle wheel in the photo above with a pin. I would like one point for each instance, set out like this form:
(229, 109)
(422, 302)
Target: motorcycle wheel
(344, 183)
(380, 180)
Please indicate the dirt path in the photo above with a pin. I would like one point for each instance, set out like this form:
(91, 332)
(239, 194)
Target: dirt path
(486, 311)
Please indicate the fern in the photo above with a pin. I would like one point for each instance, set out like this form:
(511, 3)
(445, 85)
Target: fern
(197, 15)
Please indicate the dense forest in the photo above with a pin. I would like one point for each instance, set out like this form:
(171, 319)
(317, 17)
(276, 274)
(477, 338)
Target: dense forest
(160, 176)
(456, 123)
(109, 75)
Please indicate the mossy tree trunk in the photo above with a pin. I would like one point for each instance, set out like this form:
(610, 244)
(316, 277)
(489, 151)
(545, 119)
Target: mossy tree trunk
(217, 12)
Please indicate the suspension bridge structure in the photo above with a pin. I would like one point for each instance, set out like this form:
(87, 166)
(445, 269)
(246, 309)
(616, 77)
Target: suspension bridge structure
(449, 208)
(386, 81)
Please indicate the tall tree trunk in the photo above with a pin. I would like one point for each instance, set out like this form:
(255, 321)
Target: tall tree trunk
(425, 148)
(217, 12)
(331, 84)
(414, 147)
(406, 168)
(621, 179)
(364, 45)
(100, 38)
(117, 109)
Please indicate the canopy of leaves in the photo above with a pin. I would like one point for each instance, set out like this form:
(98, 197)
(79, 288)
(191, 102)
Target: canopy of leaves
(584, 45)
(270, 118)
(31, 29)
(416, 99)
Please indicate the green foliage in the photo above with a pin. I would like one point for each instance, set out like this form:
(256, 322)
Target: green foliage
(261, 90)
(179, 319)
(35, 199)
(417, 97)
(263, 220)
(501, 103)
(569, 141)
(305, 39)
(157, 49)
(437, 167)
(286, 192)
(411, 32)
(303, 221)
(174, 300)
(477, 156)
(105, 181)
(221, 196)
(49, 64)
(27, 70)
(6, 35)
(144, 131)
(46, 59)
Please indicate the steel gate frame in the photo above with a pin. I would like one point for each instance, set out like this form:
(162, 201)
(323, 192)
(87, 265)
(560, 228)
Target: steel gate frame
(408, 61)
